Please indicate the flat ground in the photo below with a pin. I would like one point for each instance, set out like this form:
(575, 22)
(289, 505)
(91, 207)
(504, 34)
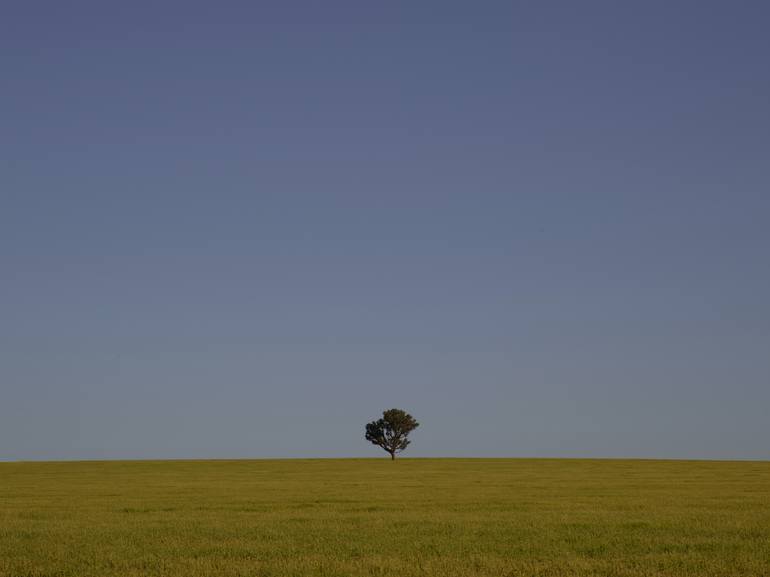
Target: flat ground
(411, 517)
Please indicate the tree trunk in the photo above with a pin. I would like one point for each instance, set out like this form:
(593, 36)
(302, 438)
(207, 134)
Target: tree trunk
(393, 456)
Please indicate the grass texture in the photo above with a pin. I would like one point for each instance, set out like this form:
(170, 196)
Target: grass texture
(427, 517)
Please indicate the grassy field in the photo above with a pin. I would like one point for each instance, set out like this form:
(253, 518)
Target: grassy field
(405, 518)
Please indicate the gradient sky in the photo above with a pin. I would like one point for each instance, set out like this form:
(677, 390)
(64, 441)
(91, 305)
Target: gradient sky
(243, 229)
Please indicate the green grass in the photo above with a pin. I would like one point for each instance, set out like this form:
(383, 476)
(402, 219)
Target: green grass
(453, 517)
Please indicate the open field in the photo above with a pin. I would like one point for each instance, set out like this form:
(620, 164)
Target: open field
(405, 518)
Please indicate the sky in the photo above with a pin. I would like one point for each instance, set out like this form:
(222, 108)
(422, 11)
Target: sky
(244, 229)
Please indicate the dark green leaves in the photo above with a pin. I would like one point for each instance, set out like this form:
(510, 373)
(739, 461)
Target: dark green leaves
(391, 431)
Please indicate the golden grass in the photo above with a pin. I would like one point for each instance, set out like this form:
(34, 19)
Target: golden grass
(429, 517)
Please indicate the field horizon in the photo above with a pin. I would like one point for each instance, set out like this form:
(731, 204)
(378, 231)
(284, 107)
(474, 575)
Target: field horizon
(381, 458)
(372, 516)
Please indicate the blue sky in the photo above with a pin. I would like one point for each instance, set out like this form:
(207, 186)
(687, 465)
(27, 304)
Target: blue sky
(245, 229)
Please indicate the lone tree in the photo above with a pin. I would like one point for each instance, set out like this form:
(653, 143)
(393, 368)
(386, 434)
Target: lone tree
(391, 431)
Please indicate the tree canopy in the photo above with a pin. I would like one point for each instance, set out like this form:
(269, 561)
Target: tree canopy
(391, 431)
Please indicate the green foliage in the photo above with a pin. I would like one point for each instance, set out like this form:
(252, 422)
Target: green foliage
(359, 518)
(391, 431)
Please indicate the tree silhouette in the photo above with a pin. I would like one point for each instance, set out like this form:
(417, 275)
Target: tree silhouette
(391, 431)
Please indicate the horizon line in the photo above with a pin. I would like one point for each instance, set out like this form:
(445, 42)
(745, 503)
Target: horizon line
(384, 459)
